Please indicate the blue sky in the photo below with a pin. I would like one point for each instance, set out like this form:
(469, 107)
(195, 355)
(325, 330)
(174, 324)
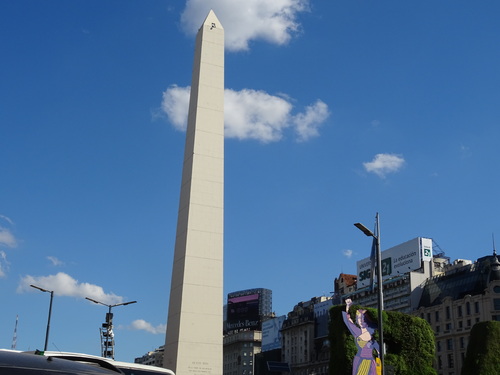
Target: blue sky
(335, 110)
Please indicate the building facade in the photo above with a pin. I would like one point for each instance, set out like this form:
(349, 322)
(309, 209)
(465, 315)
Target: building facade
(154, 358)
(246, 309)
(305, 348)
(240, 349)
(404, 268)
(465, 294)
(245, 312)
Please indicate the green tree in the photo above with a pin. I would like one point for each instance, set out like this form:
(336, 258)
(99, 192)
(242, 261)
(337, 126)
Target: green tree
(409, 343)
(342, 345)
(483, 350)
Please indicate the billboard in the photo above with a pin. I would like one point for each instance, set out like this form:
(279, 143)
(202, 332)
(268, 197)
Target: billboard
(271, 336)
(243, 312)
(397, 260)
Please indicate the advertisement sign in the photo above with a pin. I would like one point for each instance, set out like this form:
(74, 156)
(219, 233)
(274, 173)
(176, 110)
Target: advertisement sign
(243, 312)
(271, 336)
(397, 260)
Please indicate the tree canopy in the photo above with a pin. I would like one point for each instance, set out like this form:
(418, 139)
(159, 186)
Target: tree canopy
(409, 343)
(483, 351)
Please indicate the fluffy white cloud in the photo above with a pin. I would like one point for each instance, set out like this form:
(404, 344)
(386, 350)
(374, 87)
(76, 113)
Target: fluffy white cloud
(175, 104)
(141, 324)
(383, 164)
(255, 115)
(243, 21)
(64, 285)
(251, 114)
(307, 123)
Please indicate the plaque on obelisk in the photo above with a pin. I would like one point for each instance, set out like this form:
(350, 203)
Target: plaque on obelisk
(193, 343)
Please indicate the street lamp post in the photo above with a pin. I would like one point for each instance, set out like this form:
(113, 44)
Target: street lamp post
(109, 320)
(380, 295)
(50, 313)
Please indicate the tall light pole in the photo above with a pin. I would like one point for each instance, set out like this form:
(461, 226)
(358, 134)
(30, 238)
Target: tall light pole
(380, 295)
(50, 313)
(109, 323)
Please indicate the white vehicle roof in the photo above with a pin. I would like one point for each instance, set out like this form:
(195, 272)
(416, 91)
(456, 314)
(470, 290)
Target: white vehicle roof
(81, 357)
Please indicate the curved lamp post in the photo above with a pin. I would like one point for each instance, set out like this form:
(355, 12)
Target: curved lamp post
(108, 316)
(50, 313)
(376, 238)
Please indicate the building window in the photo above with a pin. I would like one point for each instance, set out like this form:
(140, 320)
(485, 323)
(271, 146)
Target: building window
(467, 308)
(449, 344)
(448, 326)
(440, 362)
(448, 316)
(462, 342)
(429, 318)
(438, 346)
(459, 311)
(476, 307)
(468, 322)
(436, 316)
(437, 329)
(460, 324)
(496, 304)
(451, 363)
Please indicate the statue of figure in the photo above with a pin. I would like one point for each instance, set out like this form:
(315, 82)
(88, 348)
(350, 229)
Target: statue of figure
(364, 363)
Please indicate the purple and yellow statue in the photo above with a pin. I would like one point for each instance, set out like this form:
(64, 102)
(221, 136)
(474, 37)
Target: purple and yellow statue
(363, 363)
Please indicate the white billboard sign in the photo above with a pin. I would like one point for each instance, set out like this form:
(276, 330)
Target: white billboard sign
(397, 260)
(271, 336)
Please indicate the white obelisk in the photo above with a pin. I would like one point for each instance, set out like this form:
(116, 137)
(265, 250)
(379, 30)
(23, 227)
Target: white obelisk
(193, 343)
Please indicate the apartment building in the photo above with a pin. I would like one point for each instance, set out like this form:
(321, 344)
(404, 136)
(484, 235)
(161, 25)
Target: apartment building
(305, 346)
(465, 294)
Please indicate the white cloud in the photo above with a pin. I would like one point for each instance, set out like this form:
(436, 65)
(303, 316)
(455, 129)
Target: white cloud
(64, 285)
(55, 261)
(3, 263)
(255, 115)
(175, 104)
(251, 114)
(307, 124)
(141, 324)
(7, 238)
(347, 253)
(244, 21)
(6, 219)
(382, 164)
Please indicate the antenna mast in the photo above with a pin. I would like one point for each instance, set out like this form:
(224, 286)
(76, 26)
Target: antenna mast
(14, 338)
(494, 249)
